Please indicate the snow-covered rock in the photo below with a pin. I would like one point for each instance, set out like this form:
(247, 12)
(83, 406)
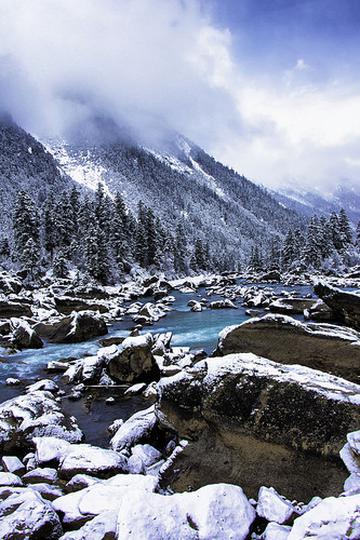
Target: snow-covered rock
(81, 481)
(272, 507)
(274, 531)
(49, 449)
(344, 304)
(84, 458)
(139, 427)
(23, 336)
(46, 385)
(34, 415)
(102, 527)
(10, 479)
(283, 339)
(222, 304)
(27, 516)
(216, 511)
(77, 327)
(246, 413)
(81, 506)
(47, 491)
(39, 474)
(134, 361)
(11, 381)
(135, 389)
(332, 519)
(12, 464)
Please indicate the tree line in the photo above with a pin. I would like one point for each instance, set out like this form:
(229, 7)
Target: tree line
(327, 244)
(99, 236)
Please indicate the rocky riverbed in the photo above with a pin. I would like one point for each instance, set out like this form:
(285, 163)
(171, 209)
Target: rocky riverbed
(152, 420)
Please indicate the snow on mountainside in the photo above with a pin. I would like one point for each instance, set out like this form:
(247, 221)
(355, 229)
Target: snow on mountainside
(180, 182)
(308, 203)
(25, 165)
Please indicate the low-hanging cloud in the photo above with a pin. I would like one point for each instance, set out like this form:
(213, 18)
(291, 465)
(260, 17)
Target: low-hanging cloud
(148, 63)
(164, 64)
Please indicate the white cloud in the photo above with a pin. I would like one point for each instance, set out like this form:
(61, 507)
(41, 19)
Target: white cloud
(164, 62)
(146, 61)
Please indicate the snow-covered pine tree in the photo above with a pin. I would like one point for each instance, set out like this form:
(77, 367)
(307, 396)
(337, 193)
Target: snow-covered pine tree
(255, 262)
(180, 250)
(30, 258)
(326, 245)
(345, 228)
(311, 253)
(336, 233)
(274, 260)
(48, 224)
(96, 254)
(289, 253)
(141, 236)
(26, 228)
(60, 268)
(151, 237)
(357, 240)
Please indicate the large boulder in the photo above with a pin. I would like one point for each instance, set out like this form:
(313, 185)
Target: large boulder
(217, 511)
(134, 361)
(68, 304)
(295, 306)
(79, 326)
(23, 336)
(332, 519)
(9, 309)
(34, 415)
(24, 515)
(80, 506)
(254, 422)
(9, 284)
(283, 339)
(345, 305)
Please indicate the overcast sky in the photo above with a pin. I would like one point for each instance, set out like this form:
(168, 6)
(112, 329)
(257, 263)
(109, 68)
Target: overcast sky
(270, 87)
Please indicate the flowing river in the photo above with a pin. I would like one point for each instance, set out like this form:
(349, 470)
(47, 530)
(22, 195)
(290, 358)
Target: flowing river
(197, 330)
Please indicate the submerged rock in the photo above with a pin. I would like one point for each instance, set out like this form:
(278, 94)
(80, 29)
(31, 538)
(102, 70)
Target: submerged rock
(255, 422)
(79, 326)
(345, 305)
(283, 339)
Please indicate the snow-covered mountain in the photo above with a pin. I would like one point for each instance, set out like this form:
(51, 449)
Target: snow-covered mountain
(25, 165)
(309, 203)
(178, 180)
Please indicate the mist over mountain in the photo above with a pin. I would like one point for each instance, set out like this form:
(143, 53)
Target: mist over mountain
(177, 179)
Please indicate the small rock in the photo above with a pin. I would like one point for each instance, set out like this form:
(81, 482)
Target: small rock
(40, 475)
(12, 464)
(10, 381)
(10, 479)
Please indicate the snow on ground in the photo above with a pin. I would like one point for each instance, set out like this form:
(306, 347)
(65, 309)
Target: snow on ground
(87, 173)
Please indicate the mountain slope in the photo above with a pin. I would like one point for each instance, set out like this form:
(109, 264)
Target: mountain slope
(25, 165)
(310, 203)
(181, 182)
